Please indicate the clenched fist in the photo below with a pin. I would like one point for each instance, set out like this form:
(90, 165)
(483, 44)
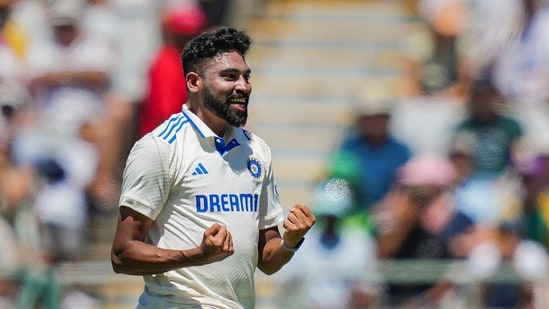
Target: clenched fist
(299, 221)
(217, 243)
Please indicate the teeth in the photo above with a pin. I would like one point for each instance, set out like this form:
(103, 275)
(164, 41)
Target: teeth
(241, 101)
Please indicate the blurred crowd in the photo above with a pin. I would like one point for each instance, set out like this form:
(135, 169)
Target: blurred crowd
(452, 167)
(80, 80)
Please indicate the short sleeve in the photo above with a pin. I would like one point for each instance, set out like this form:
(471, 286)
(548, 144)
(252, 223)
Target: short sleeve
(146, 180)
(271, 212)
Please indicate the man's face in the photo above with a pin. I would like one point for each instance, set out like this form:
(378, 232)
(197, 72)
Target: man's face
(65, 34)
(484, 102)
(227, 88)
(374, 127)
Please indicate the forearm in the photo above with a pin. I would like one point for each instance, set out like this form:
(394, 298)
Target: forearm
(140, 258)
(272, 253)
(274, 256)
(93, 79)
(390, 240)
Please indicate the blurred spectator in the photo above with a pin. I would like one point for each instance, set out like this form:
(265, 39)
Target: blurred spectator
(8, 264)
(108, 20)
(135, 26)
(482, 148)
(11, 33)
(13, 45)
(216, 12)
(31, 17)
(336, 267)
(426, 123)
(166, 86)
(379, 154)
(487, 199)
(99, 20)
(495, 135)
(70, 64)
(521, 72)
(344, 166)
(59, 202)
(69, 77)
(490, 29)
(45, 221)
(499, 235)
(434, 60)
(26, 280)
(436, 77)
(486, 249)
(529, 260)
(13, 99)
(62, 211)
(137, 40)
(418, 220)
(534, 220)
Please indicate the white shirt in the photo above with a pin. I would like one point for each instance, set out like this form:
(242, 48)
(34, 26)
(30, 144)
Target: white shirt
(522, 71)
(138, 29)
(186, 178)
(67, 107)
(61, 204)
(321, 278)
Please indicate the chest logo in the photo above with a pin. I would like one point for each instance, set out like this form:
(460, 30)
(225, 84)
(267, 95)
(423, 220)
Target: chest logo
(256, 168)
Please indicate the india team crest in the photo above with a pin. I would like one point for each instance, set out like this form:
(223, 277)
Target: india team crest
(256, 168)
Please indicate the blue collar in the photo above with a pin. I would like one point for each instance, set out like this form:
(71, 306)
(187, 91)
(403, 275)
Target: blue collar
(205, 132)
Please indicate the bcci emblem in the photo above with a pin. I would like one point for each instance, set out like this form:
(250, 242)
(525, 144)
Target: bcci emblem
(256, 168)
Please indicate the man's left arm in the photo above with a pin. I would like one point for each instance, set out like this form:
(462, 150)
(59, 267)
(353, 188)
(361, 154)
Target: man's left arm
(274, 250)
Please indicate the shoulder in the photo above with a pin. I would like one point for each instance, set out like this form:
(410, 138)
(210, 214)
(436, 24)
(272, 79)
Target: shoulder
(166, 137)
(509, 120)
(542, 15)
(512, 124)
(352, 140)
(254, 140)
(465, 124)
(172, 129)
(259, 148)
(152, 155)
(399, 145)
(147, 146)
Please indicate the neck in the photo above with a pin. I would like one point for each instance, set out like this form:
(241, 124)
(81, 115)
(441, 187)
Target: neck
(216, 124)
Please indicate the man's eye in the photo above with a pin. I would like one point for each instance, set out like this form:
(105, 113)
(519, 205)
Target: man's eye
(235, 76)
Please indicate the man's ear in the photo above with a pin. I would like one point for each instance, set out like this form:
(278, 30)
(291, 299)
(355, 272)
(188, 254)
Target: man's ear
(194, 82)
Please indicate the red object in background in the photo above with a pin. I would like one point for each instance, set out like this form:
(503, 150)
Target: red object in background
(167, 90)
(185, 20)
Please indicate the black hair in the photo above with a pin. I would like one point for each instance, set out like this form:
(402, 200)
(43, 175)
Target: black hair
(211, 44)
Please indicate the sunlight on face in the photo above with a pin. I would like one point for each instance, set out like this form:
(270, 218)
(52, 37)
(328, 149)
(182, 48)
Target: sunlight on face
(227, 89)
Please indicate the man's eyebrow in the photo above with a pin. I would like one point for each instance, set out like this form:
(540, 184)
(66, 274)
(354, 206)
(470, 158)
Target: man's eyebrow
(233, 70)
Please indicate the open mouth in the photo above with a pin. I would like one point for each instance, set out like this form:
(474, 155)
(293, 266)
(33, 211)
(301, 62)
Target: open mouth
(239, 103)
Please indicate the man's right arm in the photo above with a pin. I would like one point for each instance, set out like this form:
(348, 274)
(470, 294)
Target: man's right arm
(132, 255)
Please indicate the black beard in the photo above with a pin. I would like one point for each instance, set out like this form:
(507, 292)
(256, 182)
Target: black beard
(222, 110)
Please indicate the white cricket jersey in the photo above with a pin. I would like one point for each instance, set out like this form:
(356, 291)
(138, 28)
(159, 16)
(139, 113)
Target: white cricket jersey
(186, 178)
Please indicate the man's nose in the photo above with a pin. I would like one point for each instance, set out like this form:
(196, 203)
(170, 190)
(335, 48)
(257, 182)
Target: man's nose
(243, 85)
